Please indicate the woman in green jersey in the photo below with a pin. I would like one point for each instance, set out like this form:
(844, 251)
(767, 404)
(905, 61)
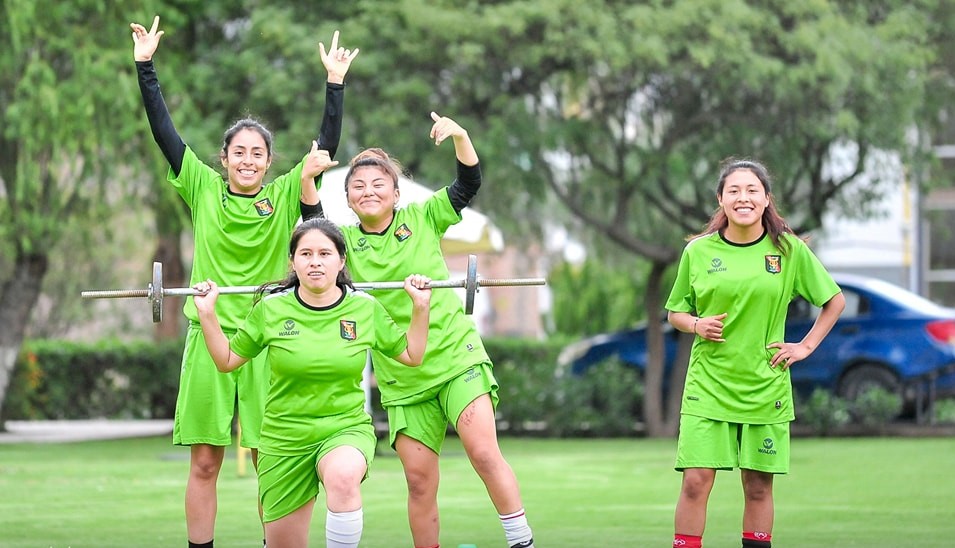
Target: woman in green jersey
(241, 228)
(317, 330)
(455, 383)
(732, 291)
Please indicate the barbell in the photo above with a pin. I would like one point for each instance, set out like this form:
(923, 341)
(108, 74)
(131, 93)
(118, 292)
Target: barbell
(155, 292)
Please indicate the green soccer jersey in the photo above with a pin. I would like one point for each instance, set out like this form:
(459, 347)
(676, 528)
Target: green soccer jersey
(753, 284)
(239, 240)
(316, 357)
(412, 245)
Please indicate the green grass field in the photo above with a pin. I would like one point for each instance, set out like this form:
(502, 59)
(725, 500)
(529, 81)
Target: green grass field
(865, 492)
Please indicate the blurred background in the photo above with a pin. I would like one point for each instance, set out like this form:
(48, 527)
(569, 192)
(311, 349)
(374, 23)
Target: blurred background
(600, 126)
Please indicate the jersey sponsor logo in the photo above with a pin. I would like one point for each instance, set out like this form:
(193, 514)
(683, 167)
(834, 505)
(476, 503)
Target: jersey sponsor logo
(349, 330)
(264, 207)
(472, 374)
(774, 264)
(716, 265)
(288, 329)
(361, 244)
(767, 448)
(403, 232)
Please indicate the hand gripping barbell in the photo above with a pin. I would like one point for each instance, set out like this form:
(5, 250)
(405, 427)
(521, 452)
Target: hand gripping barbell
(155, 291)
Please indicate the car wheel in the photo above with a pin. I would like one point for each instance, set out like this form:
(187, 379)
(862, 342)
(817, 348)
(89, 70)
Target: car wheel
(862, 377)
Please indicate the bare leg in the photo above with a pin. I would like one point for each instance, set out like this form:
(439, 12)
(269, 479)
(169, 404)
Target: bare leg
(690, 518)
(478, 433)
(420, 464)
(201, 502)
(290, 531)
(758, 509)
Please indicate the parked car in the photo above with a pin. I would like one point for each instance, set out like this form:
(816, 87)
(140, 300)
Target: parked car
(887, 337)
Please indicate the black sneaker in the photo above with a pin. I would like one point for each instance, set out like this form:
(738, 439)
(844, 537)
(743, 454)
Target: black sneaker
(525, 544)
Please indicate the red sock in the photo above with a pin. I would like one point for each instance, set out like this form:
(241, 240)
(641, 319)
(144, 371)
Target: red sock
(687, 541)
(757, 535)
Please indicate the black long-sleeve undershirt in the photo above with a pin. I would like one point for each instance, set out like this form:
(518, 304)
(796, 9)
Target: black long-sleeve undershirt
(172, 145)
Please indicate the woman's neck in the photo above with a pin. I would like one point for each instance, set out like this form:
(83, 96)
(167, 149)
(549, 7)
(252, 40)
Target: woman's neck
(320, 299)
(743, 234)
(376, 225)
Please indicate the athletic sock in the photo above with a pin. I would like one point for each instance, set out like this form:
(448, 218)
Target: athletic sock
(516, 530)
(343, 529)
(687, 541)
(201, 544)
(757, 539)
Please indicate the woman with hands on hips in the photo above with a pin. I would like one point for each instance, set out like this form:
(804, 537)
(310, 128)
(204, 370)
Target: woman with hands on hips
(732, 291)
(315, 432)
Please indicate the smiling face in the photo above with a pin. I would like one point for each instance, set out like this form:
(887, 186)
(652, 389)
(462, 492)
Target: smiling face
(372, 194)
(744, 200)
(317, 262)
(246, 159)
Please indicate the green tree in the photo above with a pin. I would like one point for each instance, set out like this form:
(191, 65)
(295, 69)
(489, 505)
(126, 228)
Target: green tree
(620, 111)
(65, 115)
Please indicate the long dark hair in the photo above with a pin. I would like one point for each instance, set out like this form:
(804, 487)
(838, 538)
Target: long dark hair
(772, 221)
(329, 229)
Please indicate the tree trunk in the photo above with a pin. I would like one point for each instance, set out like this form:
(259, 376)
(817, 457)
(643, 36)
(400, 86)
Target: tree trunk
(169, 253)
(654, 412)
(18, 297)
(169, 226)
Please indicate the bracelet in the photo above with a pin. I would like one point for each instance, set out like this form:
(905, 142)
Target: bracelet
(695, 321)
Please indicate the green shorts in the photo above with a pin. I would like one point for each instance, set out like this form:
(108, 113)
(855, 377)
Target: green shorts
(705, 443)
(286, 483)
(427, 421)
(207, 397)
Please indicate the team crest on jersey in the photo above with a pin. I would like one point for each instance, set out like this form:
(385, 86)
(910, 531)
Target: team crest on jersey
(349, 330)
(264, 207)
(403, 232)
(774, 264)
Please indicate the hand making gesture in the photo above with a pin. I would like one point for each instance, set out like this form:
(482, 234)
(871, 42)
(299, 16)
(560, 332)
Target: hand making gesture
(337, 60)
(145, 42)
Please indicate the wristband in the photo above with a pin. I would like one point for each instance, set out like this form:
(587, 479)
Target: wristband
(695, 321)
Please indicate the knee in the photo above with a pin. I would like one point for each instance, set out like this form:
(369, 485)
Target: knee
(758, 488)
(486, 460)
(697, 486)
(341, 484)
(205, 469)
(421, 483)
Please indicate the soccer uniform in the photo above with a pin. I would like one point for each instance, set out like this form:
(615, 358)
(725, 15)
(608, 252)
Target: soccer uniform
(239, 240)
(732, 381)
(412, 244)
(315, 402)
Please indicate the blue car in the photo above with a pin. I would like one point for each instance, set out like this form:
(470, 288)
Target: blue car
(887, 337)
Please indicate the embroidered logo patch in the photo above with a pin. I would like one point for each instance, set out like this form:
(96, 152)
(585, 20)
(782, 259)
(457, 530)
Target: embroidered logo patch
(774, 264)
(264, 207)
(349, 331)
(403, 232)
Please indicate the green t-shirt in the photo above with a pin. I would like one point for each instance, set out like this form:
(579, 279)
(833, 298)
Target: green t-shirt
(239, 240)
(316, 357)
(412, 245)
(753, 284)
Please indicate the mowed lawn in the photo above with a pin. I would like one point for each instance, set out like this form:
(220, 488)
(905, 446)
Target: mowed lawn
(865, 492)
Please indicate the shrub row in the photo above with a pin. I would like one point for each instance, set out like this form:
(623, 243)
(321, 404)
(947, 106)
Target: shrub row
(120, 380)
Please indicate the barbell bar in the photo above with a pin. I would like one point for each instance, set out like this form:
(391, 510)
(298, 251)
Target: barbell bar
(155, 292)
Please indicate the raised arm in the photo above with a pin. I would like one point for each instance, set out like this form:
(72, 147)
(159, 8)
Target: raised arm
(417, 334)
(337, 61)
(164, 132)
(218, 344)
(468, 180)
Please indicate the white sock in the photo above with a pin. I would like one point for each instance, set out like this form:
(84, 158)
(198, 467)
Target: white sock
(516, 529)
(343, 529)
